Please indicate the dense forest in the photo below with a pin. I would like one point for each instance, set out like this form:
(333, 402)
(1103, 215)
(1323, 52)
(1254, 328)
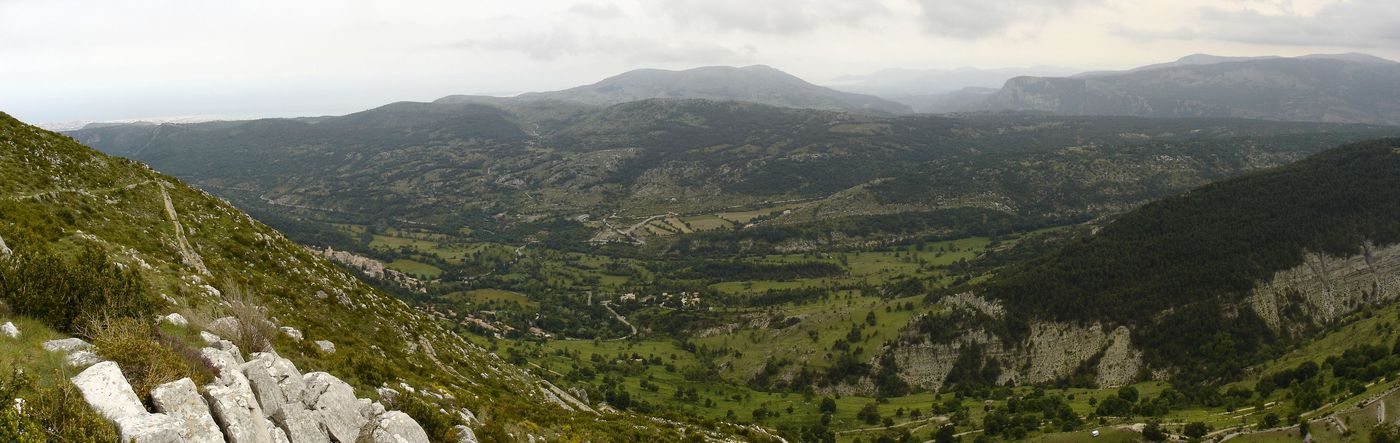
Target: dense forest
(1174, 269)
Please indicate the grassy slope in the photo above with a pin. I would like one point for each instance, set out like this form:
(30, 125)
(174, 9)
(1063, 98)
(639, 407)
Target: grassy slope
(68, 194)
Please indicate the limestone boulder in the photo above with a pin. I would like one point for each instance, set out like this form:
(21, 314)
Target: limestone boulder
(105, 389)
(9, 330)
(180, 399)
(175, 319)
(81, 358)
(209, 339)
(465, 434)
(335, 404)
(236, 410)
(302, 425)
(393, 427)
(221, 360)
(150, 428)
(325, 346)
(293, 333)
(66, 345)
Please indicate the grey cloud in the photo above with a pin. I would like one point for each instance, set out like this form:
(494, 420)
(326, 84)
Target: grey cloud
(975, 19)
(561, 42)
(596, 10)
(1355, 23)
(770, 16)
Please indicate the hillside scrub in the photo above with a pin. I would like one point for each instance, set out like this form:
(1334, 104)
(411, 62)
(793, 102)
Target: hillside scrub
(67, 293)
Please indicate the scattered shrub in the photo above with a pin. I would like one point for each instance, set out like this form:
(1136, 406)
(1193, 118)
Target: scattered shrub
(57, 413)
(145, 359)
(68, 293)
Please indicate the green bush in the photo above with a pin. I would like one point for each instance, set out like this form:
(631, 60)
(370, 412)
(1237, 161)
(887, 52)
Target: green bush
(69, 293)
(49, 414)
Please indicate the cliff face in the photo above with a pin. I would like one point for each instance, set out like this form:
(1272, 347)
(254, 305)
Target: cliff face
(1326, 90)
(1293, 302)
(1052, 351)
(1325, 288)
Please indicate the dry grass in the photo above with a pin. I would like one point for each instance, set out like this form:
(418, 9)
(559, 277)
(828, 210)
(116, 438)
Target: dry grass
(255, 331)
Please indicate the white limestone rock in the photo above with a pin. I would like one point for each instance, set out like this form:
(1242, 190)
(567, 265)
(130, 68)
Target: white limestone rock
(393, 427)
(81, 358)
(106, 390)
(465, 434)
(294, 333)
(150, 428)
(326, 346)
(180, 399)
(221, 360)
(176, 319)
(232, 349)
(236, 410)
(302, 426)
(265, 388)
(387, 394)
(209, 339)
(335, 404)
(9, 330)
(66, 345)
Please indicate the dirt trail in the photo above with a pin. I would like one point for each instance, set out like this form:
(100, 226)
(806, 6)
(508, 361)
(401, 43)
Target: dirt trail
(187, 254)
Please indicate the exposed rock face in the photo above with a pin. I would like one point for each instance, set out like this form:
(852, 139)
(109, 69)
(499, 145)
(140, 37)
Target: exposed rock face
(237, 411)
(393, 427)
(325, 346)
(1326, 288)
(66, 345)
(106, 390)
(1120, 363)
(151, 428)
(334, 403)
(302, 426)
(4, 250)
(8, 329)
(209, 339)
(180, 399)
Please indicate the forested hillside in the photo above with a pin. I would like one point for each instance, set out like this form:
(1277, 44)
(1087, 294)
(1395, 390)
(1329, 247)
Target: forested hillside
(1178, 271)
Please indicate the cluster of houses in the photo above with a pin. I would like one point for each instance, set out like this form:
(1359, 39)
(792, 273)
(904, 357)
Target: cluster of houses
(682, 300)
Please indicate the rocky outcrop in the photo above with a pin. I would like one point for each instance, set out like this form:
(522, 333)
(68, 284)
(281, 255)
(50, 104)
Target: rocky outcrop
(9, 330)
(302, 426)
(1325, 288)
(180, 399)
(334, 403)
(106, 390)
(393, 427)
(236, 409)
(1120, 364)
(4, 250)
(325, 346)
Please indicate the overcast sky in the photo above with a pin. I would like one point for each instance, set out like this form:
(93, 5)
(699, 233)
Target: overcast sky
(64, 60)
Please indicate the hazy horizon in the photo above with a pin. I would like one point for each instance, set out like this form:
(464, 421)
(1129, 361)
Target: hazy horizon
(166, 58)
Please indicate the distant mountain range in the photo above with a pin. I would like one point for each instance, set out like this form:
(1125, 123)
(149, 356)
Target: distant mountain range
(922, 82)
(758, 84)
(1351, 88)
